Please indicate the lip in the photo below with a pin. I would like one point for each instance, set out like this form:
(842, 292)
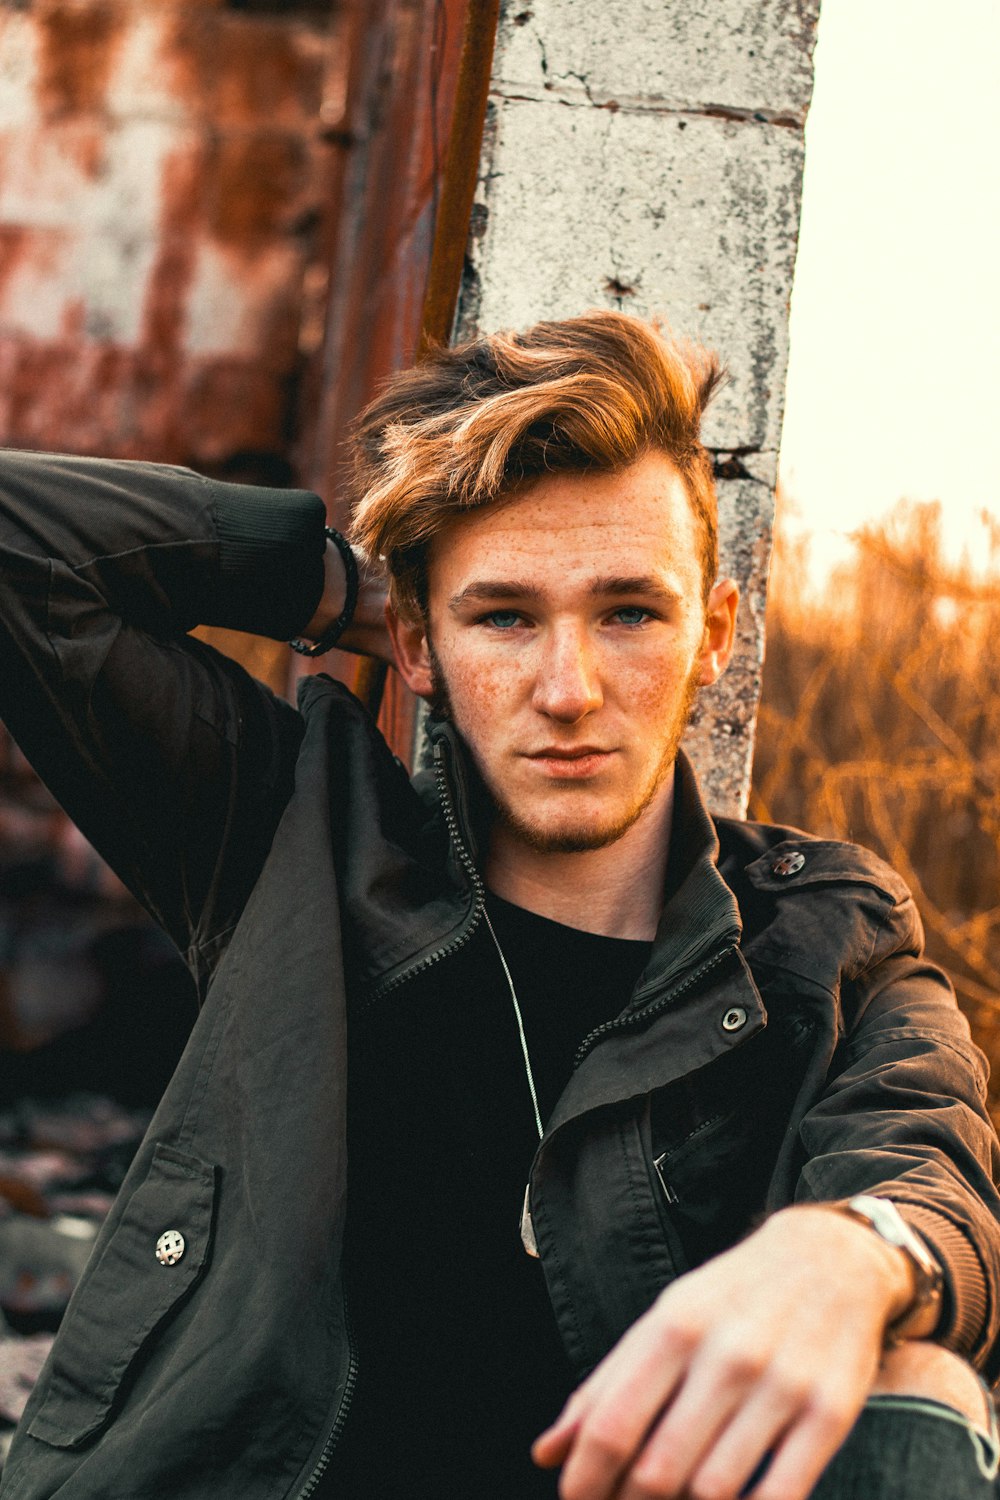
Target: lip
(568, 764)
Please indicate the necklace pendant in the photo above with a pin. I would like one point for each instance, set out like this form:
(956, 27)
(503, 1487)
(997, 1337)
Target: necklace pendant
(527, 1228)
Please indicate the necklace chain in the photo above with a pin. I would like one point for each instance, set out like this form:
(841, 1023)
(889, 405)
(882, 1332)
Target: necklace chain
(520, 1027)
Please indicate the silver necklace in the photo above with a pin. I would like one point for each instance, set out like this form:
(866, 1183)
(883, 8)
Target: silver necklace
(527, 1228)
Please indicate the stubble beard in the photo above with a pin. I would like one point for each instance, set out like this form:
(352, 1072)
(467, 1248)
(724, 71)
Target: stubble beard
(596, 835)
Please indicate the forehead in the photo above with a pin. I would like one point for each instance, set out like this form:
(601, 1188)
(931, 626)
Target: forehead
(565, 528)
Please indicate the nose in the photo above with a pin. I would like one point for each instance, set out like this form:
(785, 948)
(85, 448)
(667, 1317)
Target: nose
(568, 682)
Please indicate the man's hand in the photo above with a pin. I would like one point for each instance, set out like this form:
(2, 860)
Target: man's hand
(367, 634)
(771, 1348)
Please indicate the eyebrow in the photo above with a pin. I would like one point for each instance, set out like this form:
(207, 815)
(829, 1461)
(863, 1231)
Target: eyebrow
(614, 586)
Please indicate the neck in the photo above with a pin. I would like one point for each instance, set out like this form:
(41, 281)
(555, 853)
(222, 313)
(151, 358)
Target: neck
(616, 891)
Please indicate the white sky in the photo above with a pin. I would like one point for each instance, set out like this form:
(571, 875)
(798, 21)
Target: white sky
(893, 385)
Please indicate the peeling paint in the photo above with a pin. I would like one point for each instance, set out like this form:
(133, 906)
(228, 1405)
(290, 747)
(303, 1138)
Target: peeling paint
(163, 198)
(76, 52)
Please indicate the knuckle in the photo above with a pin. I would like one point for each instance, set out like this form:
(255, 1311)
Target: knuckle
(791, 1387)
(832, 1412)
(574, 1484)
(778, 1491)
(656, 1483)
(605, 1434)
(740, 1362)
(682, 1335)
(712, 1486)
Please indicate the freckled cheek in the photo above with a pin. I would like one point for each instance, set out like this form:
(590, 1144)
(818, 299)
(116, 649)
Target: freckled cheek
(484, 689)
(651, 691)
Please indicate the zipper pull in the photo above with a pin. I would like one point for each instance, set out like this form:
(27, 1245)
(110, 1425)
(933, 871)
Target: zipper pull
(659, 1163)
(527, 1228)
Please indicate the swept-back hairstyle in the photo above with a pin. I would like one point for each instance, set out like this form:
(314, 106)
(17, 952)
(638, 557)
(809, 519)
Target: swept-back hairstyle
(473, 424)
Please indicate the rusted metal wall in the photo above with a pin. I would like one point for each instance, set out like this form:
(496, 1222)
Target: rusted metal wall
(163, 175)
(396, 120)
(216, 223)
(166, 215)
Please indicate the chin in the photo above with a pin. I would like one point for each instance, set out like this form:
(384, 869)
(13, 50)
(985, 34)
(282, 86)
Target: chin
(568, 835)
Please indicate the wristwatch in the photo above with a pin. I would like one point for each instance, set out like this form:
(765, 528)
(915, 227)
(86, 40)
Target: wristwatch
(881, 1215)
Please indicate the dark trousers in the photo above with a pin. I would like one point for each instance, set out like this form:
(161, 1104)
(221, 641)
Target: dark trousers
(908, 1448)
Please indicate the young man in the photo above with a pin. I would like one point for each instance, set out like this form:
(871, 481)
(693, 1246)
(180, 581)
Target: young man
(661, 1123)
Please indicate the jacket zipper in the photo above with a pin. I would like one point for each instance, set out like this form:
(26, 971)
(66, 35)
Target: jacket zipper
(648, 1012)
(323, 1462)
(475, 880)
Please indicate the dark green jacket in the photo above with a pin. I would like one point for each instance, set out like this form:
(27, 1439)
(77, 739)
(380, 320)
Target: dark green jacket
(786, 1041)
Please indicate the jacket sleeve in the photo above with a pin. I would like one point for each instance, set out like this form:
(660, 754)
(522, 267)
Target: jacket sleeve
(172, 760)
(904, 1117)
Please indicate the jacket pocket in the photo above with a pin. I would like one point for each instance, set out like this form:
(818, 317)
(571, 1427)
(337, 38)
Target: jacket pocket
(126, 1294)
(711, 1185)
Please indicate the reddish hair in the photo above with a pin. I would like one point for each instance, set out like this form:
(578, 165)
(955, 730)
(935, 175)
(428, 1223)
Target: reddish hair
(474, 423)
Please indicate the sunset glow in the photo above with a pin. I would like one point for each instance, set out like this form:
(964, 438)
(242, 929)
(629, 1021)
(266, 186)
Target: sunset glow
(893, 387)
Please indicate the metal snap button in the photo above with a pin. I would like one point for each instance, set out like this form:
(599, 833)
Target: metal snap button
(170, 1247)
(734, 1018)
(788, 864)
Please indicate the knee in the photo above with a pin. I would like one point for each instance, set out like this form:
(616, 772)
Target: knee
(919, 1368)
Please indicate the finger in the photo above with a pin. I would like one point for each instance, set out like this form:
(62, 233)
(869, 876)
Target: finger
(622, 1406)
(551, 1446)
(718, 1388)
(804, 1452)
(743, 1448)
(590, 1391)
(568, 1420)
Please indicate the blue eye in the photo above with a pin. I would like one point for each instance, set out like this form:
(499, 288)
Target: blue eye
(631, 614)
(503, 619)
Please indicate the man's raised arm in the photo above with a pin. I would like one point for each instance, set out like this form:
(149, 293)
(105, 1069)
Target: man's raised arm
(173, 761)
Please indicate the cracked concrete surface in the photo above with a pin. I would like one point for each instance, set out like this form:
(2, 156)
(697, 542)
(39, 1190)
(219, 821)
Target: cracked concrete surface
(653, 54)
(648, 157)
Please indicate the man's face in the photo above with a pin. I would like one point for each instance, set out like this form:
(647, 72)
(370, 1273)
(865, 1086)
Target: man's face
(568, 631)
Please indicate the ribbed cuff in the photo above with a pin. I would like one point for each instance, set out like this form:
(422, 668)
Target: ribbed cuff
(965, 1278)
(271, 545)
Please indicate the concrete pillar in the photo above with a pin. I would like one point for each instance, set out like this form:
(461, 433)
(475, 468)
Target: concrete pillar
(648, 156)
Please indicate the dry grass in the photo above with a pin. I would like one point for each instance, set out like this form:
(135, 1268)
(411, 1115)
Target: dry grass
(880, 723)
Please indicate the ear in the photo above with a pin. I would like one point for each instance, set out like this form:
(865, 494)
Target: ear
(409, 643)
(720, 630)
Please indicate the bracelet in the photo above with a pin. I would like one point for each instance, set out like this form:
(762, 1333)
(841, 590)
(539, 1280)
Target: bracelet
(333, 632)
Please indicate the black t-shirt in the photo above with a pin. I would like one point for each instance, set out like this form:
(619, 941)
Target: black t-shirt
(460, 1363)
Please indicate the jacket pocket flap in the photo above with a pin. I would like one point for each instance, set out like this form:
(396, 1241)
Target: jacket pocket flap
(153, 1258)
(796, 863)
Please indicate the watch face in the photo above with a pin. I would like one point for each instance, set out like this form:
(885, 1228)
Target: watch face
(885, 1217)
(888, 1222)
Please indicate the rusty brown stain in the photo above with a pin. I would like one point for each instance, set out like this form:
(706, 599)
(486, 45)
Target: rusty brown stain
(84, 143)
(244, 71)
(254, 183)
(186, 43)
(76, 50)
(73, 320)
(15, 247)
(165, 303)
(232, 405)
(261, 72)
(245, 175)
